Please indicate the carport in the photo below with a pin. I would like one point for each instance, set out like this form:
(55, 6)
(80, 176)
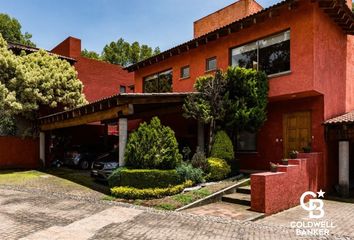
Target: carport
(121, 108)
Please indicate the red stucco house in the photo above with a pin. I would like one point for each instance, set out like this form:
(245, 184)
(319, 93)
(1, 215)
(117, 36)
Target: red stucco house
(305, 47)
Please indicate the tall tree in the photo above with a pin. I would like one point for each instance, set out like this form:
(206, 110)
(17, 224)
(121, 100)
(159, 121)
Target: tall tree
(90, 54)
(28, 82)
(10, 29)
(124, 53)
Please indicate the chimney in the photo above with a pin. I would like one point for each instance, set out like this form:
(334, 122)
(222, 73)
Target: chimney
(70, 47)
(226, 15)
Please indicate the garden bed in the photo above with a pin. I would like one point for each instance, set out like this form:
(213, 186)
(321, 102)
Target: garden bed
(182, 199)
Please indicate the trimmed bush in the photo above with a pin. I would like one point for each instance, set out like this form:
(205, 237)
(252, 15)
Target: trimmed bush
(200, 161)
(148, 193)
(187, 172)
(222, 147)
(152, 146)
(144, 178)
(218, 169)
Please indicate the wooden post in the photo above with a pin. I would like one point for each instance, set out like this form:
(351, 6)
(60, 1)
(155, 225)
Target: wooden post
(42, 148)
(344, 168)
(123, 135)
(201, 137)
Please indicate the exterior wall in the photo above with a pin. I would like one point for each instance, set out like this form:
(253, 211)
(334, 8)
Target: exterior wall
(270, 137)
(16, 152)
(274, 192)
(300, 80)
(100, 79)
(224, 16)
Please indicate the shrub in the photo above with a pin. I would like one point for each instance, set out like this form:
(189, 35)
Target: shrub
(222, 147)
(152, 146)
(200, 161)
(148, 193)
(144, 178)
(187, 172)
(218, 169)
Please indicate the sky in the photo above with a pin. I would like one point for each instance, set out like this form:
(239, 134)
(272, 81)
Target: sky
(162, 23)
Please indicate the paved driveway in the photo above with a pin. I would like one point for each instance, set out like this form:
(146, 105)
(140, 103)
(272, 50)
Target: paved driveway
(28, 214)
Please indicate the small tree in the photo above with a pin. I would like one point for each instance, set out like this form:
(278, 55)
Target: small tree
(208, 105)
(152, 146)
(222, 147)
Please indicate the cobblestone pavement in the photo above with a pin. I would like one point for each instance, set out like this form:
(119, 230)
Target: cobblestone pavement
(36, 215)
(223, 209)
(341, 214)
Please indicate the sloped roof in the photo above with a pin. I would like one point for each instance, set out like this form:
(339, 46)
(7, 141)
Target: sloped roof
(337, 10)
(342, 119)
(29, 49)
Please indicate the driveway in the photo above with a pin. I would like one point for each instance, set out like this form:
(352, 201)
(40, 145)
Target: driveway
(40, 215)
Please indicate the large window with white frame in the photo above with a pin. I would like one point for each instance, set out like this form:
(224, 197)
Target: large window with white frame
(270, 54)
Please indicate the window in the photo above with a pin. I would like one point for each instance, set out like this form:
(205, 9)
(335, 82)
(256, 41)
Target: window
(159, 82)
(271, 54)
(122, 89)
(132, 88)
(246, 142)
(211, 64)
(185, 72)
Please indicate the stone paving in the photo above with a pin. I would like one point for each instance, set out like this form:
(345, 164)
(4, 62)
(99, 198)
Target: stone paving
(227, 210)
(36, 215)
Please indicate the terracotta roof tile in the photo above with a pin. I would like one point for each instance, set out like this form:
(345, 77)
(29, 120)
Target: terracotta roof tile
(345, 118)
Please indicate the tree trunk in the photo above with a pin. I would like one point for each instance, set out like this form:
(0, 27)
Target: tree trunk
(211, 135)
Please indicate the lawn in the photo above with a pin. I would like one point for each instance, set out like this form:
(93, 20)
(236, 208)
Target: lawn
(18, 177)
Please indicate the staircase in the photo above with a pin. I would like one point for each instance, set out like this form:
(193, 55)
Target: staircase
(242, 196)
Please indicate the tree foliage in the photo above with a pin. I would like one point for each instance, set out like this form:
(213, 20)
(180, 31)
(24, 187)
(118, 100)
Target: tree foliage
(152, 146)
(10, 29)
(222, 147)
(90, 54)
(28, 82)
(124, 53)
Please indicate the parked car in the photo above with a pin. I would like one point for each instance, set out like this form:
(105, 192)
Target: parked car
(81, 156)
(104, 165)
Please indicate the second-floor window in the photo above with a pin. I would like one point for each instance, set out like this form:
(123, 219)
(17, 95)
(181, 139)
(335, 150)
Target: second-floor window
(159, 82)
(122, 89)
(211, 64)
(185, 72)
(270, 54)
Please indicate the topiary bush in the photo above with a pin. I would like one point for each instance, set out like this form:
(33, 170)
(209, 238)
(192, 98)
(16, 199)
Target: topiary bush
(222, 147)
(148, 193)
(144, 178)
(218, 169)
(152, 146)
(187, 172)
(200, 161)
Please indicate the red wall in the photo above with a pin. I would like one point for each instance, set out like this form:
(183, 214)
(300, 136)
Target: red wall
(100, 79)
(16, 152)
(274, 192)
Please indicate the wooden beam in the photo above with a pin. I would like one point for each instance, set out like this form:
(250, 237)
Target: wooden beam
(90, 118)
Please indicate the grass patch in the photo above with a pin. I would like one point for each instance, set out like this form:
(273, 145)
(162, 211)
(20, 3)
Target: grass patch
(8, 177)
(189, 197)
(165, 206)
(183, 198)
(108, 198)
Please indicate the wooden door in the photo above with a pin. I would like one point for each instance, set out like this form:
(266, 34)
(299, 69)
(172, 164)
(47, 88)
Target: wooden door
(296, 131)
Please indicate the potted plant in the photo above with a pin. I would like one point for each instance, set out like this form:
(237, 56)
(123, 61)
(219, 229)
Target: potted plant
(293, 154)
(285, 161)
(273, 167)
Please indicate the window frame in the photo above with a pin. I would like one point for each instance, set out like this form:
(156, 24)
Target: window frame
(181, 72)
(158, 74)
(120, 89)
(206, 64)
(255, 150)
(273, 75)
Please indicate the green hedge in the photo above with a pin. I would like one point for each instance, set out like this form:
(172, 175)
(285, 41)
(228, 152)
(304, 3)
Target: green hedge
(148, 193)
(144, 178)
(218, 169)
(222, 147)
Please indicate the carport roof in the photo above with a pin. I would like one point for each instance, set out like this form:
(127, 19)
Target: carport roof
(347, 118)
(122, 104)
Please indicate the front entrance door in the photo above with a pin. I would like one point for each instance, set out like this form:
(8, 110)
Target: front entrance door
(296, 131)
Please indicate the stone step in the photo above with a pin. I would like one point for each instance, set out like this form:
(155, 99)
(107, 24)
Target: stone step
(238, 198)
(244, 189)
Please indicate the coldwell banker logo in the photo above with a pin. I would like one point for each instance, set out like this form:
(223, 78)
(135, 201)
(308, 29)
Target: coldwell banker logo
(315, 209)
